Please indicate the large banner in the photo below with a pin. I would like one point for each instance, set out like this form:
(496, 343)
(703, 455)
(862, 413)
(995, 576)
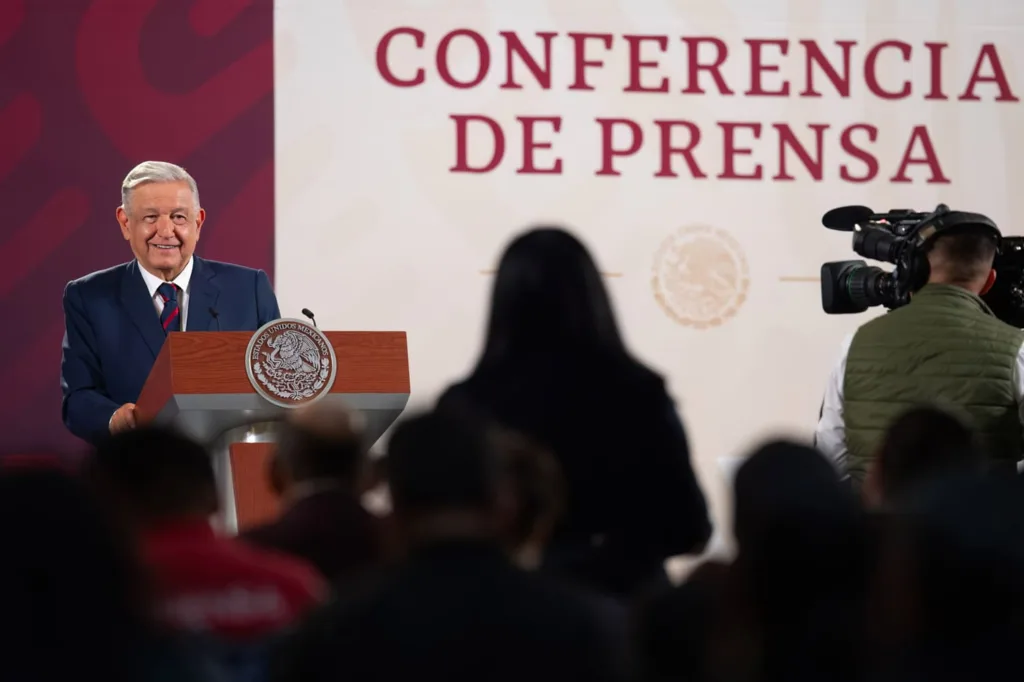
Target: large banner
(694, 145)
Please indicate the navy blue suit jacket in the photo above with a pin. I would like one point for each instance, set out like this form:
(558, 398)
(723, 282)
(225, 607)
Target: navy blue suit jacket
(113, 333)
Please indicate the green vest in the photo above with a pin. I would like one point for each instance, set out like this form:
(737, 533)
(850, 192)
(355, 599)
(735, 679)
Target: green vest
(946, 349)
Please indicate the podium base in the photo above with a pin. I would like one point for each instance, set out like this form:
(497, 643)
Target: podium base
(256, 502)
(241, 462)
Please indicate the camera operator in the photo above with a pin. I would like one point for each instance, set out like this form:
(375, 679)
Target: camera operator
(945, 347)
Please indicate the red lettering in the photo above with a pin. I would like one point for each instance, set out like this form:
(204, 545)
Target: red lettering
(530, 145)
(579, 46)
(846, 142)
(757, 68)
(841, 82)
(667, 150)
(788, 139)
(930, 159)
(608, 150)
(935, 70)
(988, 53)
(694, 66)
(730, 151)
(384, 69)
(483, 58)
(514, 48)
(871, 77)
(636, 63)
(462, 143)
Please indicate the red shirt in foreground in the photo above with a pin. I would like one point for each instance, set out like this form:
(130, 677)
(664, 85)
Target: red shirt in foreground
(206, 582)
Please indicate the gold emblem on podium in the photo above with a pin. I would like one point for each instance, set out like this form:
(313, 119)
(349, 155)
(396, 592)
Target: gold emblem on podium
(290, 363)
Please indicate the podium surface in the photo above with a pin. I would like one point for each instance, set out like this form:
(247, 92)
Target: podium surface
(204, 385)
(200, 385)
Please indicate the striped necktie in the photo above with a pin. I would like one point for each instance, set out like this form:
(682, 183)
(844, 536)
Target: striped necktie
(170, 318)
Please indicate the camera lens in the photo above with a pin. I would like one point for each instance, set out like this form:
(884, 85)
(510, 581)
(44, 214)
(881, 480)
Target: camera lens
(876, 244)
(867, 286)
(852, 286)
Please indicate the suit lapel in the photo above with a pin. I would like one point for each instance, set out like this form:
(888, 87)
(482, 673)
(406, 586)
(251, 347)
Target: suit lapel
(139, 306)
(202, 297)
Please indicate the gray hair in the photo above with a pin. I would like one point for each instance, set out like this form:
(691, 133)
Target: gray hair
(156, 171)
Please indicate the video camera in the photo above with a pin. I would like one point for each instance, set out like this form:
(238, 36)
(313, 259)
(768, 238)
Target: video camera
(902, 237)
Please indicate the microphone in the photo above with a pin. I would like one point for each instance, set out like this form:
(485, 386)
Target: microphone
(216, 316)
(309, 313)
(844, 218)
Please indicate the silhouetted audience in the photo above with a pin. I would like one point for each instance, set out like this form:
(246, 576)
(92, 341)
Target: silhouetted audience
(537, 495)
(531, 516)
(320, 461)
(555, 369)
(923, 444)
(800, 576)
(790, 607)
(74, 600)
(163, 484)
(457, 608)
(676, 630)
(949, 601)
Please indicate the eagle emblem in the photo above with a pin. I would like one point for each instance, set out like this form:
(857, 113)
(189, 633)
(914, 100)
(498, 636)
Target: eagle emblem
(290, 362)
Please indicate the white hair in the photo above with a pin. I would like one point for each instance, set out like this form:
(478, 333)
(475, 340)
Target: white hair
(156, 171)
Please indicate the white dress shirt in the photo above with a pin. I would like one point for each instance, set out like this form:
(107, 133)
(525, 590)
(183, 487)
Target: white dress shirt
(830, 436)
(182, 281)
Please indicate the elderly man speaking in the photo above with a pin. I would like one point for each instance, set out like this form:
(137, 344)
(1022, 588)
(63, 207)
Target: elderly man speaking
(116, 319)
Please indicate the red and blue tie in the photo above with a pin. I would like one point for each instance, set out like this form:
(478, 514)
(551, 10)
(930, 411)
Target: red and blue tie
(170, 318)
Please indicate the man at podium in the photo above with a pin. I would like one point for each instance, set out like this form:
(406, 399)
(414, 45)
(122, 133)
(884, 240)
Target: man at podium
(116, 320)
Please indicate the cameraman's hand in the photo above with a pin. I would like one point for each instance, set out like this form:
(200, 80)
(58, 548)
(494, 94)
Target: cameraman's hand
(123, 418)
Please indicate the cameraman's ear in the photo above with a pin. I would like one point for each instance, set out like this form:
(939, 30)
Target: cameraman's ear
(989, 282)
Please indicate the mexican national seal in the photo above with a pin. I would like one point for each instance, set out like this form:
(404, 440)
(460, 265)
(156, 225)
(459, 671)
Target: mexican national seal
(290, 363)
(700, 276)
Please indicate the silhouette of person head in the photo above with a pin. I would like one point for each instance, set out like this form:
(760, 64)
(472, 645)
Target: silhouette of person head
(319, 443)
(922, 444)
(535, 485)
(548, 296)
(963, 257)
(156, 475)
(446, 481)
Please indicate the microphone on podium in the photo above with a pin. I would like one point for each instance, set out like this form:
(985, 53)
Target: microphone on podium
(309, 313)
(216, 316)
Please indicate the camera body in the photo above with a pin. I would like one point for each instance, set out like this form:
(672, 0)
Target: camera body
(902, 237)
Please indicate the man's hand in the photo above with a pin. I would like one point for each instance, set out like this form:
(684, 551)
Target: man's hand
(123, 418)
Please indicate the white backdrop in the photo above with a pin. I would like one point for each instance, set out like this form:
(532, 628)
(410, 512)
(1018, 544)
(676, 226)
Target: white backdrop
(714, 280)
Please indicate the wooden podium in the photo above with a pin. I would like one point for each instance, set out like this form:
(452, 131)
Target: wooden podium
(200, 385)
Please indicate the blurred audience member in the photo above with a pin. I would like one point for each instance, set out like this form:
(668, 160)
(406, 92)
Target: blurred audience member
(799, 582)
(921, 445)
(950, 595)
(537, 494)
(319, 463)
(676, 629)
(457, 608)
(73, 598)
(164, 485)
(555, 369)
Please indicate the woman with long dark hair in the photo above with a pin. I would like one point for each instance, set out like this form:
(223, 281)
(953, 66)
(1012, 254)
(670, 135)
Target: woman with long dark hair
(555, 369)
